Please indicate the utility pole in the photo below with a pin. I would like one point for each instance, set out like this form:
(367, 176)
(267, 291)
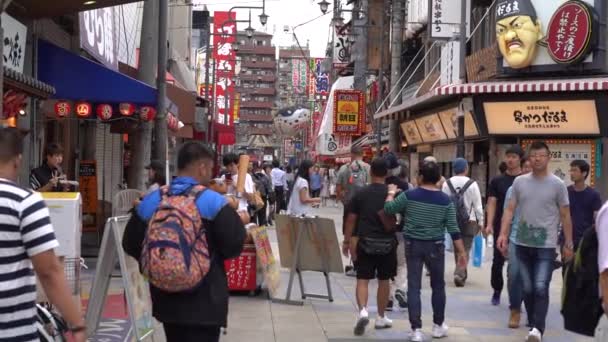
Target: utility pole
(361, 28)
(396, 47)
(378, 124)
(161, 129)
(141, 141)
(460, 152)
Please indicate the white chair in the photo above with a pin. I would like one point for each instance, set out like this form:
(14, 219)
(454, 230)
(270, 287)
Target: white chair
(123, 201)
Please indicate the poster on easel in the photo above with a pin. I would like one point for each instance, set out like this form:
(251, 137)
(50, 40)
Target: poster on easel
(136, 287)
(265, 257)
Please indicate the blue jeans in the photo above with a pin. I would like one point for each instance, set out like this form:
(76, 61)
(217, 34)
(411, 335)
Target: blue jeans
(431, 253)
(514, 281)
(536, 269)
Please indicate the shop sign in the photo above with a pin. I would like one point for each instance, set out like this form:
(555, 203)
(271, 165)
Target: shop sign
(446, 18)
(225, 57)
(63, 108)
(342, 48)
(83, 109)
(126, 109)
(349, 112)
(430, 128)
(299, 76)
(450, 63)
(289, 147)
(321, 79)
(15, 38)
(104, 112)
(147, 113)
(570, 32)
(542, 117)
(98, 37)
(563, 152)
(236, 107)
(411, 133)
(449, 119)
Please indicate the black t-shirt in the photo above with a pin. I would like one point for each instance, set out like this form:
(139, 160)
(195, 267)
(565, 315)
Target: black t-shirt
(366, 204)
(582, 206)
(42, 175)
(498, 188)
(401, 184)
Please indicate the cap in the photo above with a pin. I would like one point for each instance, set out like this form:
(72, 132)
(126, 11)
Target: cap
(155, 165)
(459, 165)
(510, 8)
(515, 149)
(391, 161)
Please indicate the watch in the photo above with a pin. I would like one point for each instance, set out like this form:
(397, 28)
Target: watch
(569, 245)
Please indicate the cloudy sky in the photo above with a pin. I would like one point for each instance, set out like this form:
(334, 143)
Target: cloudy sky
(283, 13)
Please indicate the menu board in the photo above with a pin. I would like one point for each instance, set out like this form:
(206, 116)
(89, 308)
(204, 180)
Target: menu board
(410, 132)
(430, 128)
(241, 271)
(449, 119)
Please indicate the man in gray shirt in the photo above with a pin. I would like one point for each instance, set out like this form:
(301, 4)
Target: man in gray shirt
(542, 199)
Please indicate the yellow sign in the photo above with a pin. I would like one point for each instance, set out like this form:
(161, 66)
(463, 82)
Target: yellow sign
(430, 128)
(542, 117)
(410, 132)
(449, 119)
(236, 108)
(348, 113)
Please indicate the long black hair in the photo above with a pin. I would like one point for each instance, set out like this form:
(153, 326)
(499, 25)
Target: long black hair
(304, 170)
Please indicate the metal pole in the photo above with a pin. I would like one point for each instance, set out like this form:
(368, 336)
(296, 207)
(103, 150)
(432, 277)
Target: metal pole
(460, 148)
(381, 77)
(5, 4)
(398, 14)
(161, 130)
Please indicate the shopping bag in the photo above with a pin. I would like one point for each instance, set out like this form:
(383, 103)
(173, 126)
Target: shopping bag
(478, 250)
(449, 244)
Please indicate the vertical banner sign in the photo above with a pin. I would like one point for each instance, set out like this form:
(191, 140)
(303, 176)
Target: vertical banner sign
(321, 78)
(87, 178)
(98, 37)
(225, 56)
(450, 63)
(445, 18)
(342, 47)
(349, 112)
(299, 76)
(236, 106)
(15, 38)
(312, 76)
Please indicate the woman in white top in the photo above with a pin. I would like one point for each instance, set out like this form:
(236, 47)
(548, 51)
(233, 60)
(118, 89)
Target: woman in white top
(300, 202)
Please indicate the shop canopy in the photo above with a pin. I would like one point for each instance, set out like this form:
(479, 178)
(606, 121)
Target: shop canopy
(501, 87)
(77, 78)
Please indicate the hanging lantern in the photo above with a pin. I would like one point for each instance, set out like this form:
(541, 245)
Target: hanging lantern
(126, 109)
(83, 109)
(62, 109)
(104, 112)
(147, 113)
(172, 122)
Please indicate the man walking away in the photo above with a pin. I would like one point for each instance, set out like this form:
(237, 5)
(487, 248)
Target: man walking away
(543, 200)
(375, 252)
(496, 198)
(585, 201)
(264, 186)
(27, 244)
(428, 214)
(198, 313)
(279, 181)
(469, 210)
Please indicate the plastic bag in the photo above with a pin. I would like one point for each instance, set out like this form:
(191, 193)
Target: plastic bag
(449, 244)
(478, 250)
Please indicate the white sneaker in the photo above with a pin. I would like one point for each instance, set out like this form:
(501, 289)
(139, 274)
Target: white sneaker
(440, 331)
(383, 323)
(416, 336)
(362, 322)
(534, 336)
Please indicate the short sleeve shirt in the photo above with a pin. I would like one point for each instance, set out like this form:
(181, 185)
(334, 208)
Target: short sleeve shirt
(249, 188)
(539, 201)
(296, 207)
(582, 206)
(498, 189)
(366, 204)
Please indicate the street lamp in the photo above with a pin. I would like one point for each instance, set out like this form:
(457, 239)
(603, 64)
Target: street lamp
(249, 30)
(324, 5)
(263, 19)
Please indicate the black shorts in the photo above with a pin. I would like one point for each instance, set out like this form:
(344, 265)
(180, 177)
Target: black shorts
(382, 267)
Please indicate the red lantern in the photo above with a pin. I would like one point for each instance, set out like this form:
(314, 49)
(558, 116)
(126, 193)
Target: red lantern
(147, 113)
(63, 109)
(83, 109)
(126, 109)
(104, 112)
(172, 122)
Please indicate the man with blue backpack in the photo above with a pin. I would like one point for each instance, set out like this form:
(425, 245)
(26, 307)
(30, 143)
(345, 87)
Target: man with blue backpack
(181, 234)
(466, 197)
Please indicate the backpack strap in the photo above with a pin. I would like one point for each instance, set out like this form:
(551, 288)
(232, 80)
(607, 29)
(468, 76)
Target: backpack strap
(466, 186)
(451, 186)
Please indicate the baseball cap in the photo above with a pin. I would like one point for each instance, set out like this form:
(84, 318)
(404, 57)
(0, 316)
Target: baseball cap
(459, 165)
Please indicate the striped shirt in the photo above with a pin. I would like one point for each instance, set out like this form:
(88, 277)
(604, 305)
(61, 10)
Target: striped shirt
(25, 231)
(428, 214)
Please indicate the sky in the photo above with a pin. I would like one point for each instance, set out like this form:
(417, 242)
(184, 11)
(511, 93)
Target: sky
(282, 13)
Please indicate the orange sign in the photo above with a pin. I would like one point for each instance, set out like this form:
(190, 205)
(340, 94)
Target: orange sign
(87, 173)
(349, 112)
(236, 106)
(449, 119)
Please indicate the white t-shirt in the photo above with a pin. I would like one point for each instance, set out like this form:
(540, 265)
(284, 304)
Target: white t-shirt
(249, 188)
(472, 197)
(296, 207)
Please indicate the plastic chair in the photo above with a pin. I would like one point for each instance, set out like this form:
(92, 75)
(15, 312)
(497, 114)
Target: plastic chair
(123, 201)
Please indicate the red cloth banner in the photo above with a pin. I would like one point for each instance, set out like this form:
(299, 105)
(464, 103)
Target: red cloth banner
(224, 56)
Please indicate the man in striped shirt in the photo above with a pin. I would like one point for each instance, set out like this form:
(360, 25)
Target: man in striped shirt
(428, 213)
(27, 241)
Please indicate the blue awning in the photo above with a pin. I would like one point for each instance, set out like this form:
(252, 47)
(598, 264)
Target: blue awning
(77, 78)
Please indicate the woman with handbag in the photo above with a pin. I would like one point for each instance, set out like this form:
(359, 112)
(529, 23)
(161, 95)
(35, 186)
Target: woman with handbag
(369, 238)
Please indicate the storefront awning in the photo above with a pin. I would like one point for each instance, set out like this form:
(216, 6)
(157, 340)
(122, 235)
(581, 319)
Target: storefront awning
(77, 78)
(503, 87)
(27, 84)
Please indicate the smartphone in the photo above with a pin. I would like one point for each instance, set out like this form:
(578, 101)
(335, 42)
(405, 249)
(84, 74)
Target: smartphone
(229, 176)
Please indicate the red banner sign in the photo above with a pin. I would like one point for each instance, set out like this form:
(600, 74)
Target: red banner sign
(225, 58)
(349, 112)
(570, 32)
(241, 271)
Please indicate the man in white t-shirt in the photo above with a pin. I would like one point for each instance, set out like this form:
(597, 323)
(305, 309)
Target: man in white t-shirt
(231, 162)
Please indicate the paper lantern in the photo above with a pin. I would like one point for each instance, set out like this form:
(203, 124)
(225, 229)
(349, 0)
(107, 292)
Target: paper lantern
(126, 109)
(83, 109)
(62, 109)
(104, 112)
(172, 122)
(147, 113)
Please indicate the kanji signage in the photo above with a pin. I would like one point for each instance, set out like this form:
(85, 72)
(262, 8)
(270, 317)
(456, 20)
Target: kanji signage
(63, 108)
(14, 43)
(241, 271)
(224, 56)
(321, 81)
(299, 76)
(83, 109)
(445, 18)
(98, 36)
(542, 117)
(349, 112)
(342, 48)
(570, 32)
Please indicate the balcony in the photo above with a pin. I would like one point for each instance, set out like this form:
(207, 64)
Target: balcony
(256, 118)
(263, 78)
(256, 104)
(259, 65)
(257, 91)
(256, 50)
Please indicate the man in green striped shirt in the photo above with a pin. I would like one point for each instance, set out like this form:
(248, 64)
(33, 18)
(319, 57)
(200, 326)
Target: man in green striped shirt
(428, 213)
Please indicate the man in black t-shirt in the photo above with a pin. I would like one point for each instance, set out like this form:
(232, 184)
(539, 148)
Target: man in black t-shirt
(47, 177)
(371, 245)
(497, 191)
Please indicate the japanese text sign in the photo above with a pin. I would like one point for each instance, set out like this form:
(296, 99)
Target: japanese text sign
(98, 37)
(570, 31)
(224, 56)
(349, 112)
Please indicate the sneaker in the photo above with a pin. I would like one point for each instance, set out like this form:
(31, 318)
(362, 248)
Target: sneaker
(362, 322)
(389, 306)
(440, 331)
(416, 336)
(459, 280)
(383, 323)
(514, 319)
(401, 299)
(350, 271)
(496, 298)
(534, 336)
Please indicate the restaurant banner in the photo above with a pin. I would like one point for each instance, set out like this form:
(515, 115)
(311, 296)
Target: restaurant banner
(349, 112)
(449, 119)
(411, 133)
(225, 57)
(542, 117)
(321, 85)
(563, 152)
(87, 178)
(430, 128)
(98, 36)
(446, 18)
(236, 107)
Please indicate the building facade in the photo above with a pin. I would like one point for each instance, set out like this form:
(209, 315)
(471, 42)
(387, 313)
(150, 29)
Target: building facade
(293, 64)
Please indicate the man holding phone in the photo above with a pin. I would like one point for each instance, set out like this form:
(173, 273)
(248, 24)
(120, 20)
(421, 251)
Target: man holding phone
(48, 177)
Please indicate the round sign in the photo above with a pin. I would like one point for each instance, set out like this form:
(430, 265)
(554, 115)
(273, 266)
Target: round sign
(570, 32)
(104, 112)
